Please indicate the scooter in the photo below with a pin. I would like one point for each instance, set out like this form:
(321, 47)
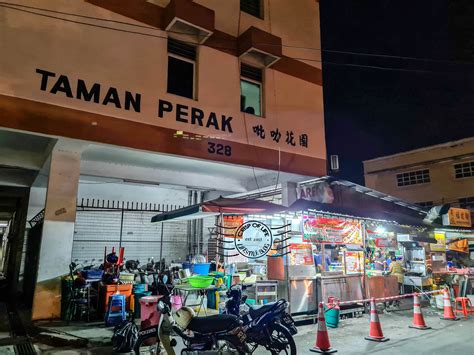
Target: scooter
(269, 325)
(212, 335)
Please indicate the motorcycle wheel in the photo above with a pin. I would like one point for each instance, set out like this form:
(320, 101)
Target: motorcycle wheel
(282, 341)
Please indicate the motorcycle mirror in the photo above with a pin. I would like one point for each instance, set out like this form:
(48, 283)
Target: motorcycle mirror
(165, 279)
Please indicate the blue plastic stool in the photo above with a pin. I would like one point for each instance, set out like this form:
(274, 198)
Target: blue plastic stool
(116, 312)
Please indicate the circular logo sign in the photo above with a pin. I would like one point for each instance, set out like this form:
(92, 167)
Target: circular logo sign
(253, 239)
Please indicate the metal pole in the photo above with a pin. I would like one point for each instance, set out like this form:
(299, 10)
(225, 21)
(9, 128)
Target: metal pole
(161, 245)
(286, 261)
(121, 229)
(220, 235)
(363, 229)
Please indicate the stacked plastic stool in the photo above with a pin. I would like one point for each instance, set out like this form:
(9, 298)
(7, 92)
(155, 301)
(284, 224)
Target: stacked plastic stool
(466, 306)
(116, 312)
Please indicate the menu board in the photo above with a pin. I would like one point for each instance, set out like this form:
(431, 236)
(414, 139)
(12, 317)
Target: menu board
(353, 262)
(301, 254)
(233, 222)
(331, 231)
(440, 242)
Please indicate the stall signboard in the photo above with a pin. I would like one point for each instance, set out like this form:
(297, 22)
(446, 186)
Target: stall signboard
(301, 254)
(231, 223)
(458, 217)
(319, 192)
(331, 231)
(353, 262)
(440, 242)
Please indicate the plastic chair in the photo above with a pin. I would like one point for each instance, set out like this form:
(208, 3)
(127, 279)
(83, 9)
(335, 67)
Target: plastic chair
(116, 312)
(466, 306)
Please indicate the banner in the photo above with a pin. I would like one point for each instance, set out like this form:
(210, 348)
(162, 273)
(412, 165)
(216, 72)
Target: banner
(233, 222)
(331, 231)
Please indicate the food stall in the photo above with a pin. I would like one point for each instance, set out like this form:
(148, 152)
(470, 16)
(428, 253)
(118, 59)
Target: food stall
(341, 239)
(458, 270)
(279, 242)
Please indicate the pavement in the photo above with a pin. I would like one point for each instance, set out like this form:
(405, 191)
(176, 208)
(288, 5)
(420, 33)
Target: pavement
(445, 337)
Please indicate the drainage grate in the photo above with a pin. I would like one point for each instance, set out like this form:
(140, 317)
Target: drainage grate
(25, 348)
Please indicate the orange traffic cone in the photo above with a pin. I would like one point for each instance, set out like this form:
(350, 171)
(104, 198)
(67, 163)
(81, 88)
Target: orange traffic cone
(375, 333)
(448, 308)
(322, 338)
(418, 320)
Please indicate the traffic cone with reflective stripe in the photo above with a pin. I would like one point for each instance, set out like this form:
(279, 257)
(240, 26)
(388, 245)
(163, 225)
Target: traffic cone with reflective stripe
(448, 308)
(375, 333)
(418, 320)
(322, 338)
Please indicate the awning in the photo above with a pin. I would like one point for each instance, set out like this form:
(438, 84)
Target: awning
(364, 212)
(218, 206)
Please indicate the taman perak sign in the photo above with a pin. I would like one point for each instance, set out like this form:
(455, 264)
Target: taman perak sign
(216, 123)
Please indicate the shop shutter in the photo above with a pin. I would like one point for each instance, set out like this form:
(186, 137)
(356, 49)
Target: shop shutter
(96, 229)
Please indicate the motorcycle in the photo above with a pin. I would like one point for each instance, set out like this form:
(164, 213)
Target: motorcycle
(269, 325)
(211, 335)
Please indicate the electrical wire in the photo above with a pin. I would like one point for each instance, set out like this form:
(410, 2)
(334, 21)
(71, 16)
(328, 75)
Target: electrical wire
(217, 47)
(17, 7)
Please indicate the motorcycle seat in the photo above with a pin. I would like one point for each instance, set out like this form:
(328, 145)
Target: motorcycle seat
(213, 324)
(257, 311)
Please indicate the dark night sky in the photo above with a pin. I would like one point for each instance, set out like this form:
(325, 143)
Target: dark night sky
(371, 112)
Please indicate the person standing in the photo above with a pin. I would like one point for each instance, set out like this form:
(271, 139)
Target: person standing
(318, 259)
(397, 270)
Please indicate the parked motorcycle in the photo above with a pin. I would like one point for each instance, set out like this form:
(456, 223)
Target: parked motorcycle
(269, 325)
(212, 335)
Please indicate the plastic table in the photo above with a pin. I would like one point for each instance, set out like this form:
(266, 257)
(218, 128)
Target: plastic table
(201, 294)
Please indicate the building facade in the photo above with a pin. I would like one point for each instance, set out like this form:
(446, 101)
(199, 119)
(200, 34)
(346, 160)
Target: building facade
(156, 102)
(434, 175)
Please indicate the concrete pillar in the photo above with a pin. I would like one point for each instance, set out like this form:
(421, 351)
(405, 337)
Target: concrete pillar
(58, 231)
(288, 193)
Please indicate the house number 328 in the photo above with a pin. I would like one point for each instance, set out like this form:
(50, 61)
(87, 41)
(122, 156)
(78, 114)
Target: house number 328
(219, 149)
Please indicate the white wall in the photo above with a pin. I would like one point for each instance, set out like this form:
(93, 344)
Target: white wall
(114, 191)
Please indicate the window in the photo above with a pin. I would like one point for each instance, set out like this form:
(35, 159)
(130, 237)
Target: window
(251, 90)
(413, 178)
(466, 202)
(464, 170)
(181, 68)
(426, 204)
(252, 7)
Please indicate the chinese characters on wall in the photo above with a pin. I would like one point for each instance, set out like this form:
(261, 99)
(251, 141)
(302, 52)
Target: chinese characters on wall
(289, 137)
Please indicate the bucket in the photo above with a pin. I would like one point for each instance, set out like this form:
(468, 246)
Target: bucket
(439, 301)
(176, 302)
(187, 265)
(250, 302)
(332, 317)
(201, 269)
(149, 313)
(138, 296)
(140, 288)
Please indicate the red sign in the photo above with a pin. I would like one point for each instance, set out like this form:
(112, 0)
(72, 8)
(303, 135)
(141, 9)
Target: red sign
(331, 231)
